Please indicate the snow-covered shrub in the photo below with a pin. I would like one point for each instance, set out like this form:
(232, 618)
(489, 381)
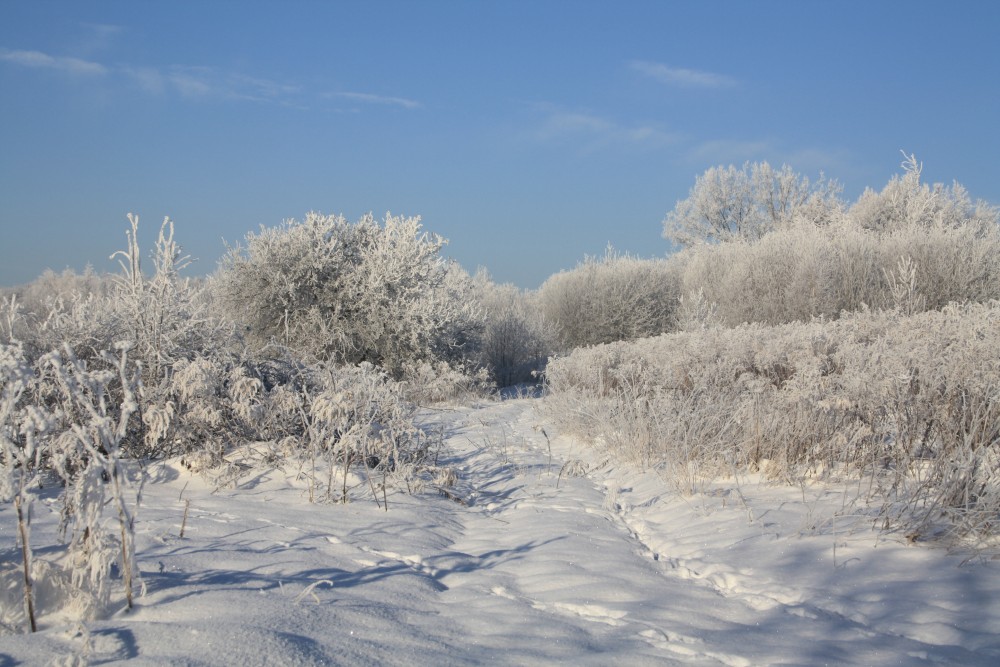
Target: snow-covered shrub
(618, 297)
(803, 270)
(160, 313)
(438, 382)
(164, 318)
(727, 204)
(907, 203)
(170, 322)
(87, 319)
(19, 463)
(348, 417)
(226, 416)
(909, 402)
(824, 261)
(517, 339)
(87, 456)
(696, 312)
(350, 293)
(59, 415)
(195, 410)
(64, 284)
(50, 292)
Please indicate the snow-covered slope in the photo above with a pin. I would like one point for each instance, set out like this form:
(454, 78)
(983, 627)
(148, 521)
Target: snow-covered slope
(530, 558)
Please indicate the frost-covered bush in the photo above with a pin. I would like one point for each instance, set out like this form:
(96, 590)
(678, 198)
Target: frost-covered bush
(806, 271)
(225, 415)
(339, 426)
(727, 203)
(933, 240)
(517, 339)
(86, 318)
(440, 381)
(207, 405)
(60, 416)
(618, 297)
(906, 203)
(162, 314)
(911, 403)
(168, 321)
(360, 417)
(350, 293)
(164, 318)
(52, 292)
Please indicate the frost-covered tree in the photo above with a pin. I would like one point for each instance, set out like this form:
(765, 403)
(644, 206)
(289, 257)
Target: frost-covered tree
(367, 291)
(729, 203)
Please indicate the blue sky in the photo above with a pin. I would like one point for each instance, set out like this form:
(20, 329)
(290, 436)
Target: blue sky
(529, 134)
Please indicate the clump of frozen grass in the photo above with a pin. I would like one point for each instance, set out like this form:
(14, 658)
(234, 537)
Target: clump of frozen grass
(908, 402)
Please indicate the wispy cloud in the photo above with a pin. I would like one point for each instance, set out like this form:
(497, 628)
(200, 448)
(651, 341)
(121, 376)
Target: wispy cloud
(252, 87)
(196, 82)
(186, 81)
(680, 76)
(369, 98)
(37, 59)
(193, 82)
(209, 82)
(592, 132)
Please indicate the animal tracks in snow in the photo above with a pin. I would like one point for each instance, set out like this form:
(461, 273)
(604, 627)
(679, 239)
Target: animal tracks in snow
(589, 612)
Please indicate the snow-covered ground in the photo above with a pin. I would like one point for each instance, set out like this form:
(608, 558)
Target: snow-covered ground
(531, 560)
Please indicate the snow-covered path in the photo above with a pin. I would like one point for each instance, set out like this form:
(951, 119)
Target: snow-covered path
(524, 565)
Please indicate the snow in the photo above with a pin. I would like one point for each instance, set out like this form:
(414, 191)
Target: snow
(526, 560)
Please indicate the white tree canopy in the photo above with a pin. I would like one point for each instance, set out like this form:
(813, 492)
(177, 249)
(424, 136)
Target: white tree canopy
(727, 203)
(367, 291)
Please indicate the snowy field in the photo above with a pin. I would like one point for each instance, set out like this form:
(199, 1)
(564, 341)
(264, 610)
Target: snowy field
(534, 556)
